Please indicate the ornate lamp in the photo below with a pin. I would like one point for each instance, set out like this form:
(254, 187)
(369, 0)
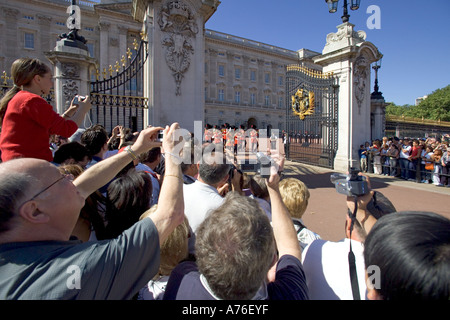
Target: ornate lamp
(376, 94)
(355, 4)
(333, 5)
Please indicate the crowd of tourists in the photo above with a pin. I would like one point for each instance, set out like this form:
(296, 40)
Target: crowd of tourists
(424, 160)
(123, 215)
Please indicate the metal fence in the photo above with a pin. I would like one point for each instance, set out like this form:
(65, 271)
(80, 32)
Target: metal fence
(116, 99)
(311, 116)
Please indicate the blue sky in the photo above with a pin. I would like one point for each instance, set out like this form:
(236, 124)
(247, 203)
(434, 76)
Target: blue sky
(414, 36)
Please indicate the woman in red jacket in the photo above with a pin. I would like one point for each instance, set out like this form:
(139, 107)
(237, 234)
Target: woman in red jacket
(27, 120)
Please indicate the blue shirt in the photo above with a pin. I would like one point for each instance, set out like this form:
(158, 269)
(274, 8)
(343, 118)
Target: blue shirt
(290, 284)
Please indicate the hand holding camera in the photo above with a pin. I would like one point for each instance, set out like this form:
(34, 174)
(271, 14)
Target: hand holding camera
(352, 184)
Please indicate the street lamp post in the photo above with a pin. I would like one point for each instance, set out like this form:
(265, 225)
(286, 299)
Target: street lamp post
(333, 5)
(73, 39)
(376, 94)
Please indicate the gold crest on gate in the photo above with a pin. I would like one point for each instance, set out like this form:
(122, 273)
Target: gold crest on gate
(303, 103)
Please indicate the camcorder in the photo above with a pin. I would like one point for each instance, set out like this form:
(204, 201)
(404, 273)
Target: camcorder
(261, 167)
(351, 184)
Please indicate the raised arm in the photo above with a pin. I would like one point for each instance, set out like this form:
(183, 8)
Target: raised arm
(283, 227)
(365, 219)
(104, 171)
(170, 211)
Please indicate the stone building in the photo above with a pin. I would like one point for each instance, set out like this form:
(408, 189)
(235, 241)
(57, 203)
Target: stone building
(243, 79)
(193, 74)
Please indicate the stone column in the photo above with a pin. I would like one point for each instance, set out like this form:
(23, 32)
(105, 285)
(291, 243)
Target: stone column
(348, 55)
(378, 112)
(175, 68)
(72, 67)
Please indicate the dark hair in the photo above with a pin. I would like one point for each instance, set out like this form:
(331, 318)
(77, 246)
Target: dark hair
(94, 138)
(150, 155)
(72, 150)
(213, 173)
(412, 251)
(128, 196)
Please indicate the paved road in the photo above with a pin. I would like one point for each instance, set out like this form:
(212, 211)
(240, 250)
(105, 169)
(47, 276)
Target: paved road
(326, 209)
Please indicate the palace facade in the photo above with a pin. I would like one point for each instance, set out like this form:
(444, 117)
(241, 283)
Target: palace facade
(243, 79)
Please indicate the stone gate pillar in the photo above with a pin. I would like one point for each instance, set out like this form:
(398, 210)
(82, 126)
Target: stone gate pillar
(72, 68)
(348, 55)
(174, 72)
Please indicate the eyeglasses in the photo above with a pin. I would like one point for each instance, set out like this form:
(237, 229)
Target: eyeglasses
(67, 175)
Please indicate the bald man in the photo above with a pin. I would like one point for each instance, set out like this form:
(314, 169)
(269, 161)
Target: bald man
(39, 208)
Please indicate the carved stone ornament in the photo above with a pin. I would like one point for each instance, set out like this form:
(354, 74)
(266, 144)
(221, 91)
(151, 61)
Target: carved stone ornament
(179, 27)
(70, 70)
(360, 72)
(70, 89)
(346, 31)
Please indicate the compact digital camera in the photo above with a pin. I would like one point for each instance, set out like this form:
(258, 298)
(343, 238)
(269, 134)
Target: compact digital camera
(261, 167)
(160, 136)
(78, 98)
(352, 184)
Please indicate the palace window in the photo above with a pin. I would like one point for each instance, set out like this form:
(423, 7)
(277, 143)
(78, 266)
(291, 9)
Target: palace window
(280, 80)
(91, 49)
(221, 70)
(280, 102)
(237, 73)
(253, 99)
(29, 40)
(221, 96)
(267, 77)
(252, 75)
(237, 97)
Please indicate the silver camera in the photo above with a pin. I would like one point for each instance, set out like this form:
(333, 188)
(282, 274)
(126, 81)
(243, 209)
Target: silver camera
(261, 167)
(264, 164)
(160, 136)
(78, 98)
(351, 184)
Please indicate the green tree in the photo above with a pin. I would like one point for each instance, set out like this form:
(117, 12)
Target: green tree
(395, 110)
(436, 106)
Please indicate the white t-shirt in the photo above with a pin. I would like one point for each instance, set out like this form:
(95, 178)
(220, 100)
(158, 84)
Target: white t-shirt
(405, 155)
(327, 269)
(305, 236)
(199, 199)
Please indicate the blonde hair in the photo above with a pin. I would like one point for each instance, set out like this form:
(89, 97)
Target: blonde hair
(23, 71)
(295, 195)
(175, 248)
